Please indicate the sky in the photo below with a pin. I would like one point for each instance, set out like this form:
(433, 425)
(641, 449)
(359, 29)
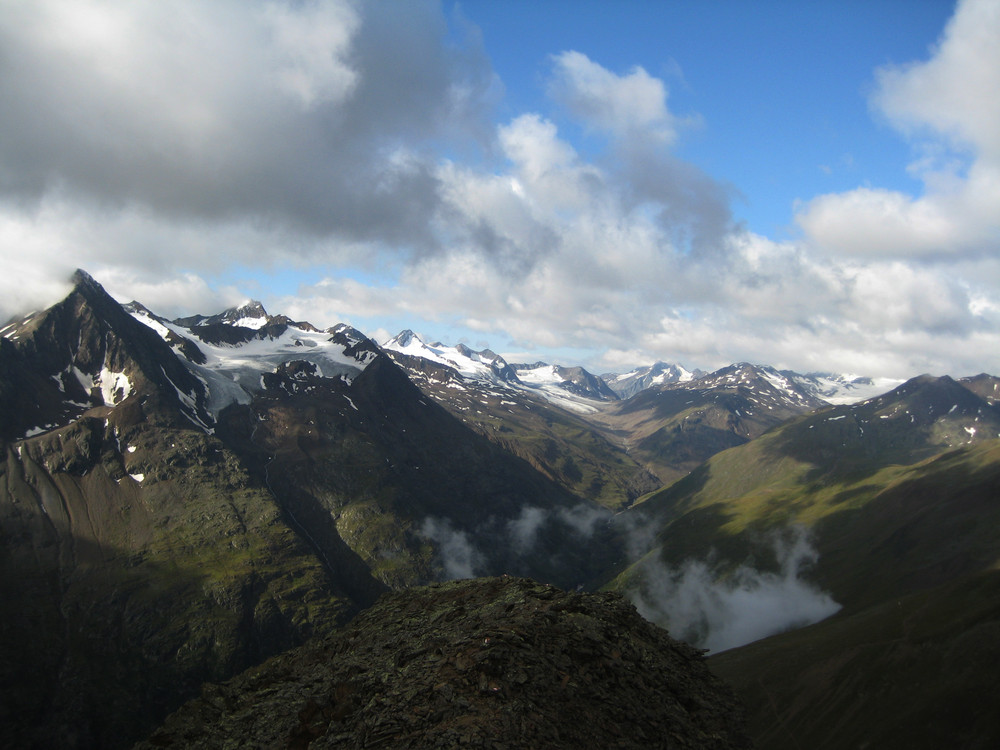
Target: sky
(809, 185)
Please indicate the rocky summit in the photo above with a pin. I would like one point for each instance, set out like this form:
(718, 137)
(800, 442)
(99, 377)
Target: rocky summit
(492, 663)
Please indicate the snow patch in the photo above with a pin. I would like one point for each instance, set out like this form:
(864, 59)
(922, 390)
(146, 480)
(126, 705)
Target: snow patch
(254, 323)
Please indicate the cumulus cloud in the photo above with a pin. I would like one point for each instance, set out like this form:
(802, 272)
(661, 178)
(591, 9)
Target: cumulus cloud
(162, 146)
(304, 118)
(719, 614)
(945, 93)
(633, 105)
(947, 107)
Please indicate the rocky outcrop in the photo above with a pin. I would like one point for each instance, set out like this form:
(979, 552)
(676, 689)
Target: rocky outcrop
(495, 662)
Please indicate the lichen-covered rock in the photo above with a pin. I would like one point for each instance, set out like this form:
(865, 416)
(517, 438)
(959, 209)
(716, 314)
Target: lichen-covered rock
(492, 663)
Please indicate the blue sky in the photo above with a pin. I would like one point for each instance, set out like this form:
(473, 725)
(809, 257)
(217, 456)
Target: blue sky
(812, 185)
(777, 91)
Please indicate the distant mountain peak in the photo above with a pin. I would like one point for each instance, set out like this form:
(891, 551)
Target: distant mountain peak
(251, 314)
(638, 379)
(402, 339)
(251, 307)
(85, 285)
(81, 277)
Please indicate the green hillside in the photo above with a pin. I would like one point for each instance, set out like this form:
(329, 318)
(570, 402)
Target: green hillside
(901, 499)
(914, 672)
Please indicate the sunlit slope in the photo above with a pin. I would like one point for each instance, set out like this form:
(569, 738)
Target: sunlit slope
(560, 443)
(901, 492)
(671, 429)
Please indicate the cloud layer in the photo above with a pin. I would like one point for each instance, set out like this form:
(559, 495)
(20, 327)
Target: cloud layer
(718, 614)
(159, 146)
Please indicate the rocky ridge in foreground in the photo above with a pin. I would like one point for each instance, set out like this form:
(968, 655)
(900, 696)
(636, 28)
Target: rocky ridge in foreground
(493, 662)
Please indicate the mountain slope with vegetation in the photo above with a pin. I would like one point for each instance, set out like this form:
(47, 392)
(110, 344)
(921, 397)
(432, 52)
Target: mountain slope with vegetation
(180, 500)
(915, 671)
(900, 497)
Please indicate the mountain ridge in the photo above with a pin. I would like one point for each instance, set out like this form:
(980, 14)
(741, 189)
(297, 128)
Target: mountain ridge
(195, 498)
(210, 510)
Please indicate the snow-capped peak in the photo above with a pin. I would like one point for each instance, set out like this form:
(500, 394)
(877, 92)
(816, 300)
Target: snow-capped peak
(402, 340)
(232, 365)
(484, 365)
(843, 388)
(251, 314)
(572, 388)
(658, 374)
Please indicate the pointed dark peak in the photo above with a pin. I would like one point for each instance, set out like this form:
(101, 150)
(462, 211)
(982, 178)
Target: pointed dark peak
(82, 277)
(251, 314)
(87, 287)
(344, 330)
(85, 303)
(88, 351)
(355, 343)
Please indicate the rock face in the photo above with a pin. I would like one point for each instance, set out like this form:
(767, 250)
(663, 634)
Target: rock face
(493, 663)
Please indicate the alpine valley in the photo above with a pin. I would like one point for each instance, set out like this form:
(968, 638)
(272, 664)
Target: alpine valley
(181, 500)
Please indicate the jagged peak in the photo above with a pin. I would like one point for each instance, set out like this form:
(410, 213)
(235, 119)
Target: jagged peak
(250, 307)
(87, 286)
(82, 277)
(249, 311)
(403, 339)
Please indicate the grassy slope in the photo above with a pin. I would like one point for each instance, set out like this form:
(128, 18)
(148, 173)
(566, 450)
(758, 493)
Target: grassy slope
(913, 672)
(916, 525)
(370, 473)
(908, 534)
(122, 596)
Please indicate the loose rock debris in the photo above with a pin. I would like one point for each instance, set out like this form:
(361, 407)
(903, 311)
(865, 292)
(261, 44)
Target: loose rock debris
(496, 663)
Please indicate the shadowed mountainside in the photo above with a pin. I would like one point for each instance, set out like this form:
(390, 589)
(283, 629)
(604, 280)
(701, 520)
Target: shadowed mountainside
(499, 663)
(915, 673)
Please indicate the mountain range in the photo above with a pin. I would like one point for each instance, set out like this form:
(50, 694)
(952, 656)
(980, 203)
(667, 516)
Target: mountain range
(181, 499)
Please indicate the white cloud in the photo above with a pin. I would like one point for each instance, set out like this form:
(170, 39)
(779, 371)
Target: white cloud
(633, 105)
(947, 106)
(293, 114)
(719, 614)
(950, 94)
(158, 147)
(456, 553)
